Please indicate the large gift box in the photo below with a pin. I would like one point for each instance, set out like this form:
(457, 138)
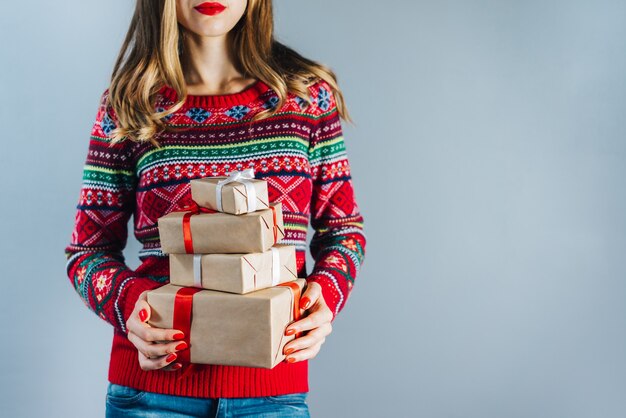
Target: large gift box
(202, 230)
(227, 328)
(236, 273)
(236, 194)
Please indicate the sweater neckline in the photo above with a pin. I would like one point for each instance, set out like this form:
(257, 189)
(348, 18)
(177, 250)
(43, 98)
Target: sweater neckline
(246, 95)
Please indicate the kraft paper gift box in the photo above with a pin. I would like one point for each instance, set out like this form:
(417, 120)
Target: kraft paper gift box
(236, 194)
(227, 328)
(235, 273)
(219, 232)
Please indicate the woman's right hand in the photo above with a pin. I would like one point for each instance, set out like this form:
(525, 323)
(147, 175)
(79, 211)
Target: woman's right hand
(157, 347)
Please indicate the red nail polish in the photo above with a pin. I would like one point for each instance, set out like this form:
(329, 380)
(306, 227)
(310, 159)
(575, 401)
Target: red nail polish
(181, 346)
(176, 366)
(291, 359)
(290, 331)
(289, 351)
(171, 357)
(179, 336)
(143, 314)
(304, 302)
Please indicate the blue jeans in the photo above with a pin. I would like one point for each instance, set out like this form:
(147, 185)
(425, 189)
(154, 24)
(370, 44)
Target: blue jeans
(124, 401)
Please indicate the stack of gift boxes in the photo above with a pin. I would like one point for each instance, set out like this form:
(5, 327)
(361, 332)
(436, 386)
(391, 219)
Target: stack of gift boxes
(233, 289)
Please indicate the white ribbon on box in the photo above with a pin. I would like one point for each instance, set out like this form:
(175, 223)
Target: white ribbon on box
(242, 177)
(275, 266)
(197, 268)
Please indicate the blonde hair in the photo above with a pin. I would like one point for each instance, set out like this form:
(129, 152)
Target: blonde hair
(150, 57)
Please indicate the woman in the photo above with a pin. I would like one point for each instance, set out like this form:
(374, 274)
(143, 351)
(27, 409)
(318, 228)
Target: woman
(200, 89)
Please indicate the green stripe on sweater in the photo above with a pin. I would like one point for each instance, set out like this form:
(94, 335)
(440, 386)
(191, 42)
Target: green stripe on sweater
(247, 149)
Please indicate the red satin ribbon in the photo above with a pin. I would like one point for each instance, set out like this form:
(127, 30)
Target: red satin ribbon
(295, 290)
(275, 224)
(183, 304)
(191, 209)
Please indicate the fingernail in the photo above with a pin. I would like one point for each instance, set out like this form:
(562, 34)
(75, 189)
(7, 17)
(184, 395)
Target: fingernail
(290, 331)
(181, 346)
(291, 359)
(179, 336)
(289, 351)
(304, 302)
(171, 357)
(176, 366)
(143, 314)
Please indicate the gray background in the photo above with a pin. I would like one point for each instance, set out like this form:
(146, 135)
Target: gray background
(488, 160)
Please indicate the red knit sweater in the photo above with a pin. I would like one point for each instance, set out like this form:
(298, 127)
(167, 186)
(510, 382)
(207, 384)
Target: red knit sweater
(300, 152)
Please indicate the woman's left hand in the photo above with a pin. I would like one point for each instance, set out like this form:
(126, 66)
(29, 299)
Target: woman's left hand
(317, 323)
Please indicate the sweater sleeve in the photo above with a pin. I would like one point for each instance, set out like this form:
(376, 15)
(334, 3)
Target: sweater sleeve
(338, 242)
(95, 262)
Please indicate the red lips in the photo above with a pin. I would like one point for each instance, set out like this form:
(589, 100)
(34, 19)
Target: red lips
(210, 8)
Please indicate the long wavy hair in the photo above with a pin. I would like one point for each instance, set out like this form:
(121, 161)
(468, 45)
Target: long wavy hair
(151, 57)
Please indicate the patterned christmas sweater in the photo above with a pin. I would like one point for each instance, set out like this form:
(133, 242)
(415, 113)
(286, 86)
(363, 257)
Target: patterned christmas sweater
(300, 151)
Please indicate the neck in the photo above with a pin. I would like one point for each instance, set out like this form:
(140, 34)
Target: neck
(208, 65)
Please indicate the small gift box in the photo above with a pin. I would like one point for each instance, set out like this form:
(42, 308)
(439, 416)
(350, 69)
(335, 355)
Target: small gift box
(200, 230)
(236, 273)
(238, 193)
(226, 328)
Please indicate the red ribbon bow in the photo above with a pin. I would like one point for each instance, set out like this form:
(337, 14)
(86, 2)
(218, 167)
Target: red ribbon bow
(192, 209)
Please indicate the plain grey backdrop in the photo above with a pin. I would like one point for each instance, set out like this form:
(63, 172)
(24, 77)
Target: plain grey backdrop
(489, 162)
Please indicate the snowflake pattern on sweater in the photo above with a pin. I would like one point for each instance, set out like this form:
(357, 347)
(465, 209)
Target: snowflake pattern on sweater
(300, 151)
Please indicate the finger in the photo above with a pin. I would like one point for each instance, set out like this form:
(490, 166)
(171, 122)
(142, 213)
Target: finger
(305, 354)
(155, 363)
(143, 309)
(311, 295)
(152, 349)
(138, 315)
(321, 315)
(149, 333)
(172, 367)
(318, 335)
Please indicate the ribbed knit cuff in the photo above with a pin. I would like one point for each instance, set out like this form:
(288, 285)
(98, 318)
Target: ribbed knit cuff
(328, 291)
(132, 290)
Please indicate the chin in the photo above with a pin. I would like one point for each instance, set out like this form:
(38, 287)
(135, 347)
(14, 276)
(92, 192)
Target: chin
(212, 29)
(212, 32)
